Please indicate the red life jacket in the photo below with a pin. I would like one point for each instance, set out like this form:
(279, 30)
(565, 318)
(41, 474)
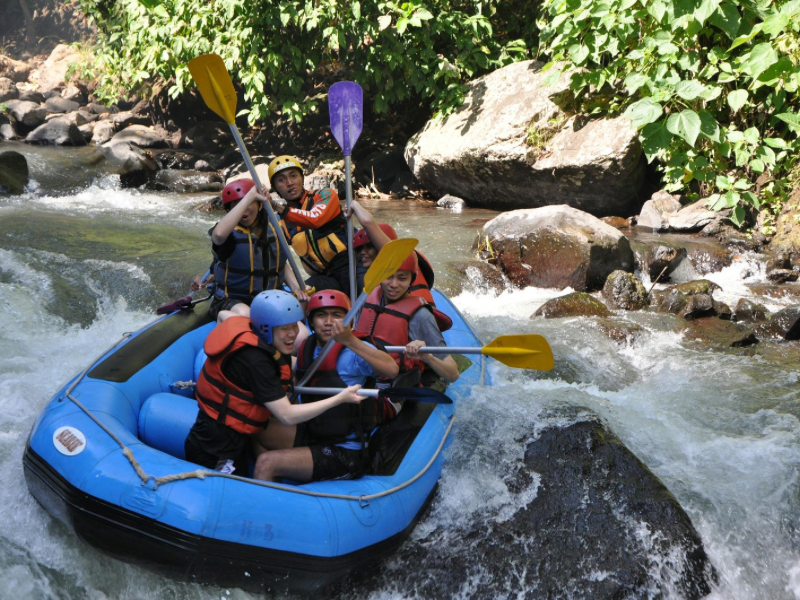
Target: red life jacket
(421, 287)
(388, 325)
(335, 424)
(220, 398)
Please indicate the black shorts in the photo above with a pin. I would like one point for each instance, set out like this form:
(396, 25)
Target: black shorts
(218, 304)
(331, 461)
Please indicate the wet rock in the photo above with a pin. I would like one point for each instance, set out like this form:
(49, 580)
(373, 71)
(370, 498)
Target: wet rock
(557, 247)
(783, 325)
(656, 212)
(478, 276)
(672, 302)
(623, 291)
(788, 290)
(25, 116)
(448, 201)
(697, 306)
(7, 131)
(13, 172)
(781, 275)
(142, 136)
(208, 137)
(747, 311)
(576, 304)
(617, 222)
(619, 331)
(8, 91)
(719, 333)
(125, 119)
(103, 132)
(32, 96)
(170, 158)
(134, 165)
(387, 170)
(722, 310)
(186, 181)
(698, 286)
(58, 132)
(202, 165)
(659, 261)
(695, 216)
(57, 104)
(510, 129)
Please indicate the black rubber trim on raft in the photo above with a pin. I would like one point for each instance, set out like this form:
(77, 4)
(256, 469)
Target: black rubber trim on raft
(189, 557)
(142, 349)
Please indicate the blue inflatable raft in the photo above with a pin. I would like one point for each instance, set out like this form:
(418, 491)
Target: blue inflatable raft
(105, 457)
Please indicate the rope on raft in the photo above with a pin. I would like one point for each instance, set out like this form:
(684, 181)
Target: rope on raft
(204, 473)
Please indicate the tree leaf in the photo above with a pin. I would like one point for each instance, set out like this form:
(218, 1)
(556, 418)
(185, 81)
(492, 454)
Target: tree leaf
(757, 165)
(634, 81)
(738, 216)
(643, 112)
(655, 139)
(355, 7)
(737, 99)
(727, 18)
(791, 119)
(709, 127)
(685, 124)
(689, 90)
(578, 53)
(705, 10)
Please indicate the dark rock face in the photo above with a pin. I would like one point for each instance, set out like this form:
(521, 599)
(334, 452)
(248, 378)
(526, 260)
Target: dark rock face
(623, 291)
(658, 260)
(186, 181)
(747, 311)
(208, 136)
(13, 172)
(784, 325)
(57, 104)
(557, 247)
(602, 527)
(577, 304)
(387, 170)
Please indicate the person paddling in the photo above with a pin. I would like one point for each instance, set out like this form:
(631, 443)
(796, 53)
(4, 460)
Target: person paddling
(247, 256)
(246, 381)
(334, 444)
(393, 317)
(315, 225)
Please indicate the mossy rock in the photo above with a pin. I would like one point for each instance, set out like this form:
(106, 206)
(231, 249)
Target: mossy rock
(576, 304)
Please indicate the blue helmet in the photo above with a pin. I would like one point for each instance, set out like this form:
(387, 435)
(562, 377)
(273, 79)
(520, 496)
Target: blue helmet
(274, 308)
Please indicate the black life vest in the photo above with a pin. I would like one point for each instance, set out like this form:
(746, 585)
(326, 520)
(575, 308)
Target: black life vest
(339, 422)
(220, 398)
(318, 247)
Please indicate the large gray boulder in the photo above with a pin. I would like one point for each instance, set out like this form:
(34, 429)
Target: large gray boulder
(53, 73)
(13, 172)
(58, 132)
(557, 247)
(656, 212)
(142, 136)
(25, 116)
(134, 165)
(510, 146)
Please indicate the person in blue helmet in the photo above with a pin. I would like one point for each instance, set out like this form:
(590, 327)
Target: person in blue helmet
(246, 380)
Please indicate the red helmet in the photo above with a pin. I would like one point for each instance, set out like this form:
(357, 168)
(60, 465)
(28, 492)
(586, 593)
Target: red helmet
(410, 264)
(236, 190)
(361, 238)
(328, 299)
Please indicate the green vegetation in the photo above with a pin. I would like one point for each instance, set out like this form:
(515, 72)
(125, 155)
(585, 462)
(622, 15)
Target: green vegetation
(278, 49)
(710, 84)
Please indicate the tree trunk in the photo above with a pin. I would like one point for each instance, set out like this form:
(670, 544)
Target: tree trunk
(30, 36)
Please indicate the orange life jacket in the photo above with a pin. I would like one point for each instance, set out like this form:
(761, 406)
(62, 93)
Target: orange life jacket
(221, 399)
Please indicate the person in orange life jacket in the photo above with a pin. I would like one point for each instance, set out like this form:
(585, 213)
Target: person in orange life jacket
(332, 445)
(246, 380)
(247, 255)
(369, 241)
(392, 317)
(315, 225)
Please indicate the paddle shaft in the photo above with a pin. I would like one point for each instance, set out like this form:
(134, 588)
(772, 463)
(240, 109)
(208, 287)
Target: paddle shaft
(273, 218)
(439, 349)
(351, 258)
(324, 391)
(348, 318)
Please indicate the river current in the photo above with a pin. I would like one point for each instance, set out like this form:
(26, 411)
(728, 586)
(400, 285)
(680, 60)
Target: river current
(82, 261)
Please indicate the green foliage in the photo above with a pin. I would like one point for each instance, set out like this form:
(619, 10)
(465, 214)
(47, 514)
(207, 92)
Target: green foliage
(711, 85)
(275, 48)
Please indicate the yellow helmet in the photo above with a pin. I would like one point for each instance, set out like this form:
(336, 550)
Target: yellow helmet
(283, 162)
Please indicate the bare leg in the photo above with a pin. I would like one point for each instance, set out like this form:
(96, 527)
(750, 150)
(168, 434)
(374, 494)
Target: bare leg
(275, 437)
(293, 463)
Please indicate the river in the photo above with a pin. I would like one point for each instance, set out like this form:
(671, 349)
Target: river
(82, 261)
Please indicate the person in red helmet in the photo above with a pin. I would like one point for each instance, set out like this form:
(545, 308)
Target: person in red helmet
(334, 444)
(247, 256)
(393, 317)
(369, 241)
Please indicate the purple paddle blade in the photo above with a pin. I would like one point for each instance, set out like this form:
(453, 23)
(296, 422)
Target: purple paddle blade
(345, 103)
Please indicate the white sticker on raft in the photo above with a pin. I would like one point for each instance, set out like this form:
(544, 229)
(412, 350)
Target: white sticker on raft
(69, 441)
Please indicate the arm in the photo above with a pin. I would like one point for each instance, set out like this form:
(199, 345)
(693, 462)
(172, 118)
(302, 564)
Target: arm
(445, 367)
(226, 225)
(382, 364)
(325, 208)
(291, 414)
(376, 235)
(303, 294)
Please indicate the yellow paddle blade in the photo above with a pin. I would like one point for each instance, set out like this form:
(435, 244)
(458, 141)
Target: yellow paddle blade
(215, 85)
(522, 351)
(385, 264)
